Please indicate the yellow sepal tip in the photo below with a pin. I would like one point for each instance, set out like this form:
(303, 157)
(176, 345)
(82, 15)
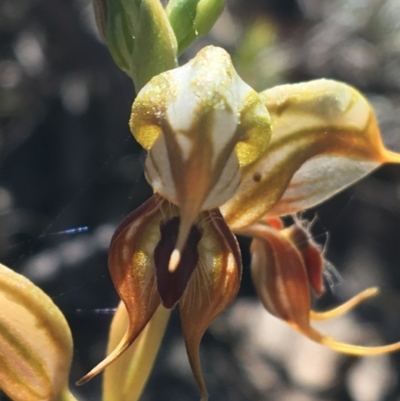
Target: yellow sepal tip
(346, 307)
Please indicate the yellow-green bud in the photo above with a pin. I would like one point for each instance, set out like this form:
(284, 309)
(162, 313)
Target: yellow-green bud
(138, 36)
(192, 18)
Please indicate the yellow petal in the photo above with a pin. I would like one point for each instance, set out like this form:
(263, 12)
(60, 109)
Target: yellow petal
(358, 350)
(35, 342)
(325, 137)
(346, 307)
(131, 266)
(211, 289)
(349, 349)
(200, 123)
(125, 379)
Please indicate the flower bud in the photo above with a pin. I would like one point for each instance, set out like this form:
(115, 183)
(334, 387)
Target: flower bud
(192, 18)
(139, 37)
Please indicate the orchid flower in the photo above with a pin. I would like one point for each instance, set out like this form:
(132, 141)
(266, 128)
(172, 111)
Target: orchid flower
(224, 159)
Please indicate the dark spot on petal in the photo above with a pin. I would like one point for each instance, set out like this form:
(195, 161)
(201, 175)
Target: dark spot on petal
(171, 286)
(256, 177)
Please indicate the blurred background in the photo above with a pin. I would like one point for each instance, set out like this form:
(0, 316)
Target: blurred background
(70, 171)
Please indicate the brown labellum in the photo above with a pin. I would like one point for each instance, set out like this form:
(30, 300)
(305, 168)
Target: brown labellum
(171, 285)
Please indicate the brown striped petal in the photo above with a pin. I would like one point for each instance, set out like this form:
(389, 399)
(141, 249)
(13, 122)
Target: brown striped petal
(212, 287)
(325, 137)
(282, 283)
(279, 275)
(132, 270)
(310, 253)
(35, 342)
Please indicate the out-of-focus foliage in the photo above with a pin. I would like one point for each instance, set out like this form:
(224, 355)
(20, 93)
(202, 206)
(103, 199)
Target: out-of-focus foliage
(258, 58)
